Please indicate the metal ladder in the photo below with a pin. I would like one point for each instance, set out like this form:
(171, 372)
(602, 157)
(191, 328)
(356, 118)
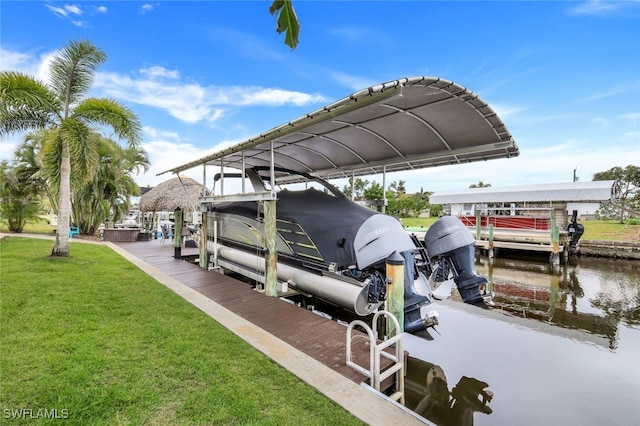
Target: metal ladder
(376, 352)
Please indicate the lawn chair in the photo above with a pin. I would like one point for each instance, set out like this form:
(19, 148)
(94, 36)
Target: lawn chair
(74, 230)
(167, 233)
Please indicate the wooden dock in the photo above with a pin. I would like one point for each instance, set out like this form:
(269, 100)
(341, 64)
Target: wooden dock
(322, 339)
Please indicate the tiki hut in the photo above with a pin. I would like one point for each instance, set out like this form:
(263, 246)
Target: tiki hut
(182, 192)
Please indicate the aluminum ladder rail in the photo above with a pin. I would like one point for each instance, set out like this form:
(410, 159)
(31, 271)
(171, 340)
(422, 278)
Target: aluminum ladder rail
(376, 352)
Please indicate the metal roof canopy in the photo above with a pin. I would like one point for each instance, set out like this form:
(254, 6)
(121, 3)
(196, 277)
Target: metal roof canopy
(405, 124)
(603, 190)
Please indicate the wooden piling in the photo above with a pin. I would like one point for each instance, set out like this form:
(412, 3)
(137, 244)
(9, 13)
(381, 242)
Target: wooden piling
(178, 214)
(395, 291)
(202, 248)
(271, 256)
(555, 240)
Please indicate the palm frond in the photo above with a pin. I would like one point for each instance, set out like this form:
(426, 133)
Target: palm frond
(52, 158)
(73, 70)
(25, 103)
(108, 112)
(82, 144)
(287, 21)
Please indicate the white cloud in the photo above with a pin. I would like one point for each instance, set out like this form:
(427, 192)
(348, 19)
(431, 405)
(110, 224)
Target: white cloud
(191, 102)
(159, 72)
(599, 7)
(166, 151)
(36, 65)
(101, 9)
(8, 146)
(146, 8)
(58, 11)
(73, 9)
(65, 10)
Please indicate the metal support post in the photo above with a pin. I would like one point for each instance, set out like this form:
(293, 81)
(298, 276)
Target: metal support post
(384, 189)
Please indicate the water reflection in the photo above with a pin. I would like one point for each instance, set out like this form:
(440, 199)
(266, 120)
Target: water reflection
(592, 296)
(427, 393)
(556, 347)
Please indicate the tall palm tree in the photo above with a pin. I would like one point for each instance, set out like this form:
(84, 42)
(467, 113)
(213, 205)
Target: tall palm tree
(62, 109)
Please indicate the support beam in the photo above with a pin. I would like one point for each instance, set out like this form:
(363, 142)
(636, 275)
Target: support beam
(222, 176)
(204, 180)
(384, 189)
(243, 175)
(353, 186)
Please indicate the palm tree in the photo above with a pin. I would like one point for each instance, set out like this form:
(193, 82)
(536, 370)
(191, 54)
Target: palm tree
(19, 200)
(61, 108)
(106, 195)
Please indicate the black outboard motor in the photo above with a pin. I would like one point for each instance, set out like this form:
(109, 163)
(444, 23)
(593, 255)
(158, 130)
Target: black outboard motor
(575, 231)
(450, 240)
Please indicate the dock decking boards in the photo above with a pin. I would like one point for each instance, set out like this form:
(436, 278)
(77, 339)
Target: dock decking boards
(320, 338)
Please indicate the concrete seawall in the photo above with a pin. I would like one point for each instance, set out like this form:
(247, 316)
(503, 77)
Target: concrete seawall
(610, 249)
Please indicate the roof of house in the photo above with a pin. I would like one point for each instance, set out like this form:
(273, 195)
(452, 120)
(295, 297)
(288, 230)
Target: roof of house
(568, 191)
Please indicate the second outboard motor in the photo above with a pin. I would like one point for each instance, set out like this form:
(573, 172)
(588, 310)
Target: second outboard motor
(575, 231)
(448, 238)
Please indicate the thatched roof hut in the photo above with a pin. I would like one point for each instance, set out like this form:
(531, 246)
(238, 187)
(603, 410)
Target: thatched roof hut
(167, 196)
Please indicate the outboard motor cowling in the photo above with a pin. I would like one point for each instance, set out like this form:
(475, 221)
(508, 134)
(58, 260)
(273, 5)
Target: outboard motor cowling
(448, 238)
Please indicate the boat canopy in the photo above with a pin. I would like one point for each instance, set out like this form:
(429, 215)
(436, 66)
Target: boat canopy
(405, 124)
(594, 191)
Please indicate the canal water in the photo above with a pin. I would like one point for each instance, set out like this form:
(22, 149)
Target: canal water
(555, 347)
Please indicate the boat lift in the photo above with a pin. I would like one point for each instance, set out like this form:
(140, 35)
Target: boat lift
(405, 124)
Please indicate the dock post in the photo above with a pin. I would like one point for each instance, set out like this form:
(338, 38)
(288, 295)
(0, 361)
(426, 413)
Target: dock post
(478, 225)
(202, 249)
(271, 255)
(491, 242)
(555, 241)
(395, 291)
(177, 233)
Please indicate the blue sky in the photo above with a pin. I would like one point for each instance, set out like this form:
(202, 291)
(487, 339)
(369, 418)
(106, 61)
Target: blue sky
(564, 76)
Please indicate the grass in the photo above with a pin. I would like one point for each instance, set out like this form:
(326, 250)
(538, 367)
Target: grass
(597, 230)
(611, 230)
(96, 339)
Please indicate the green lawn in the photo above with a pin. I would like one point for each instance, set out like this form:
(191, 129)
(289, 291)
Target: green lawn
(96, 339)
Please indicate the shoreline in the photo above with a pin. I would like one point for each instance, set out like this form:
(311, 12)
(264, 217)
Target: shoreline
(626, 250)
